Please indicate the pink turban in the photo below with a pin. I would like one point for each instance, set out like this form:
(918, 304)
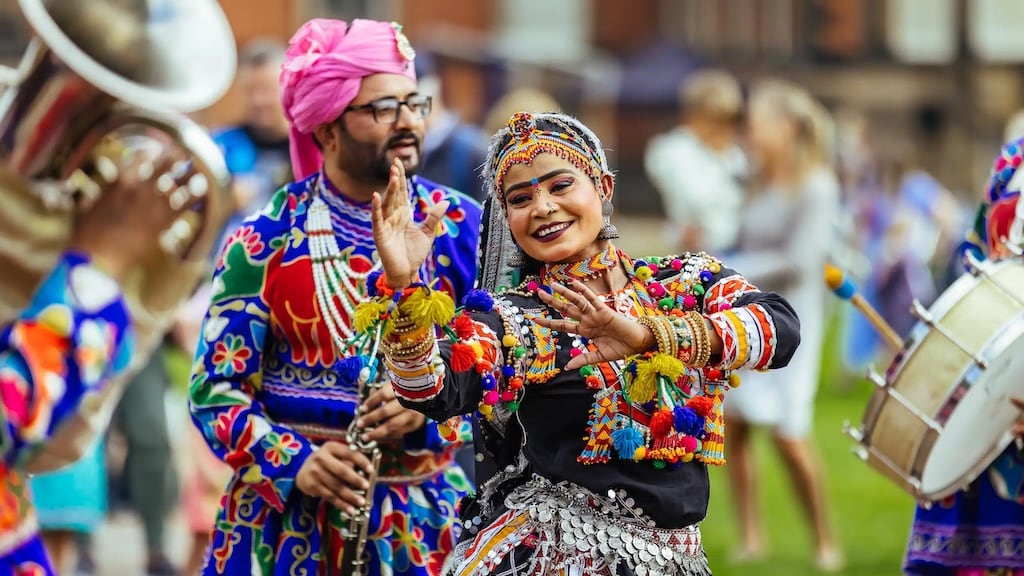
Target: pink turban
(323, 68)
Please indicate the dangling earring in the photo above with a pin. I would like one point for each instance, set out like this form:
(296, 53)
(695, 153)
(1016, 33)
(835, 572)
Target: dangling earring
(608, 231)
(516, 259)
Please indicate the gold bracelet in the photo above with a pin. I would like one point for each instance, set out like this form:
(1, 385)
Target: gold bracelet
(410, 350)
(661, 327)
(683, 334)
(702, 339)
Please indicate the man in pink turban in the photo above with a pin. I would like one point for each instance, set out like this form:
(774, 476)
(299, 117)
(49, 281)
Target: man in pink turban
(277, 374)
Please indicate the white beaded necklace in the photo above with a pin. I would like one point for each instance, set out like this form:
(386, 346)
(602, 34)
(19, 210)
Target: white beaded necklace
(332, 276)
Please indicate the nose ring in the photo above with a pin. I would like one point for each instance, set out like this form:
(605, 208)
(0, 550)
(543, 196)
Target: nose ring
(552, 208)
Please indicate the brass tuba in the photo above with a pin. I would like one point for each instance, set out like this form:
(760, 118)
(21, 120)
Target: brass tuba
(111, 78)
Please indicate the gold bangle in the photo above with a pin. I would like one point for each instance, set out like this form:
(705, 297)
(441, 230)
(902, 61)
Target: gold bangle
(408, 351)
(701, 341)
(661, 328)
(683, 334)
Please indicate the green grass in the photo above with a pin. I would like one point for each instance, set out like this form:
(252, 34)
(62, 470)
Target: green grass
(872, 517)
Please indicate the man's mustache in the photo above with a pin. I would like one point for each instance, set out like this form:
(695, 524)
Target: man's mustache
(401, 139)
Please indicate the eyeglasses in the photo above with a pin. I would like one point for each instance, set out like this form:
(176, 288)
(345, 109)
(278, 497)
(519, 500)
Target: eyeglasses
(386, 110)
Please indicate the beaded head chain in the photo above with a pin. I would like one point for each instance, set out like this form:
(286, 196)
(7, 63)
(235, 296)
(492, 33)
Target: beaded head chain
(528, 135)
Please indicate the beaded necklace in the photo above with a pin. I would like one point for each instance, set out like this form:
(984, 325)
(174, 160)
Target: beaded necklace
(589, 269)
(334, 280)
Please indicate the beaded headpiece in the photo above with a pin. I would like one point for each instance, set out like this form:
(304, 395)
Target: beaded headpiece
(519, 142)
(527, 140)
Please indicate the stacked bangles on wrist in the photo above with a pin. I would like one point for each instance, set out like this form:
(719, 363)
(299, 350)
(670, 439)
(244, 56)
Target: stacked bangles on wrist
(685, 337)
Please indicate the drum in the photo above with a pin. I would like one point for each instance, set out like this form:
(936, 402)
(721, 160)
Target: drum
(941, 414)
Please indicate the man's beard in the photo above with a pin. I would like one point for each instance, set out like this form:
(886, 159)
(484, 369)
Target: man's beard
(365, 162)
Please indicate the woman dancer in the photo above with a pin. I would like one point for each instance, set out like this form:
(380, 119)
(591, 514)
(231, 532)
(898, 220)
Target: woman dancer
(599, 378)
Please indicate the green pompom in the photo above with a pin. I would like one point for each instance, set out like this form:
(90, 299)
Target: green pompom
(667, 303)
(512, 406)
(659, 464)
(698, 290)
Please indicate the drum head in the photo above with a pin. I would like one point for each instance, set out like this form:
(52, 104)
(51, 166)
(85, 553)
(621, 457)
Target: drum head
(979, 428)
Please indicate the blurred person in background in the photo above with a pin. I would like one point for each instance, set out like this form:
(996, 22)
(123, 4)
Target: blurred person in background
(453, 150)
(256, 151)
(58, 357)
(71, 503)
(783, 245)
(698, 168)
(149, 478)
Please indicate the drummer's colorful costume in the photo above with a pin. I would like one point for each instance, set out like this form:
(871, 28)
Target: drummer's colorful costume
(71, 339)
(604, 468)
(270, 384)
(979, 531)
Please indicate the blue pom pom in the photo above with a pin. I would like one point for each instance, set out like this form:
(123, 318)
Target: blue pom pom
(626, 440)
(478, 301)
(348, 369)
(639, 263)
(547, 288)
(687, 421)
(487, 381)
(508, 371)
(371, 282)
(705, 276)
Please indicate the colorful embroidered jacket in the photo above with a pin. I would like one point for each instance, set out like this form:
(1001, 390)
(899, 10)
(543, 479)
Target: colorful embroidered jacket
(64, 347)
(267, 388)
(606, 426)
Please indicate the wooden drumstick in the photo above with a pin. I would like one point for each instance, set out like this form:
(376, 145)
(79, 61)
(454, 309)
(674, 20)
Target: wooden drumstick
(843, 288)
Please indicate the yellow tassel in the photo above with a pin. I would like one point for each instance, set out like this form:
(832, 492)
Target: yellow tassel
(485, 410)
(668, 366)
(425, 307)
(367, 314)
(642, 388)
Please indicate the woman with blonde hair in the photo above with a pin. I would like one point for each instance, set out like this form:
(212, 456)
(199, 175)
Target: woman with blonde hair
(782, 247)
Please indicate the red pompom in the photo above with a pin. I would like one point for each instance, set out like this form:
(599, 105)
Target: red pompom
(463, 327)
(702, 405)
(463, 357)
(661, 423)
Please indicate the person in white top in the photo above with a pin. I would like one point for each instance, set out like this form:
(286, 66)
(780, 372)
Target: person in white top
(698, 167)
(785, 237)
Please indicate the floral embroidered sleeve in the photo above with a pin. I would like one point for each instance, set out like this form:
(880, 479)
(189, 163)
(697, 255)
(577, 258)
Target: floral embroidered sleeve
(227, 369)
(71, 339)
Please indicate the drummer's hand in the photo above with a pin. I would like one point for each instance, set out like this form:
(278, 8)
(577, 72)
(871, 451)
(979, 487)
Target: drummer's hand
(389, 420)
(124, 224)
(1018, 427)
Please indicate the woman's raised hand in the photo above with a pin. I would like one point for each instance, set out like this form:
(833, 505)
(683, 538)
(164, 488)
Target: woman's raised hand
(402, 243)
(613, 335)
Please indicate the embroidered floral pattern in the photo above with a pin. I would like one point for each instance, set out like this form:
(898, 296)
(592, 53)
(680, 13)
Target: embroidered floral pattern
(263, 385)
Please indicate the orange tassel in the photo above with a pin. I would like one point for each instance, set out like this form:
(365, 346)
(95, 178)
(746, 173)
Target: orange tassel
(702, 405)
(463, 327)
(661, 423)
(463, 357)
